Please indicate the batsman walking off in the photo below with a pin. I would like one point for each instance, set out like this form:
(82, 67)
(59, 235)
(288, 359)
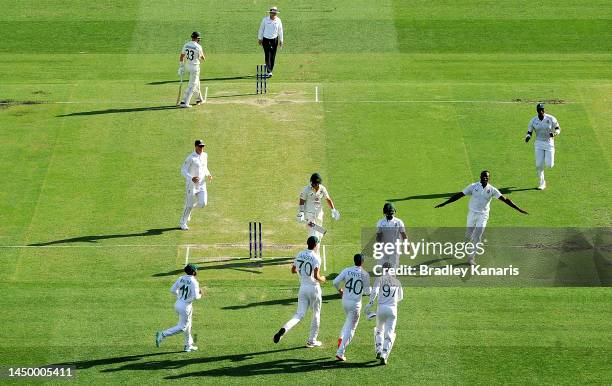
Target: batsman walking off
(195, 170)
(186, 289)
(191, 54)
(311, 206)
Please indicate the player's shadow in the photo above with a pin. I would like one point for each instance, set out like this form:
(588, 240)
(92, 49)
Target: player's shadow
(277, 366)
(95, 238)
(277, 302)
(118, 111)
(241, 264)
(133, 362)
(506, 190)
(204, 79)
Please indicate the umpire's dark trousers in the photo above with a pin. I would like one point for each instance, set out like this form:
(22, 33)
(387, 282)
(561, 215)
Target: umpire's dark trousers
(270, 46)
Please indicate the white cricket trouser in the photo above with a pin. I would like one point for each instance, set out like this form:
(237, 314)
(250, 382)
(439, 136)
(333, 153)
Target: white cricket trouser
(185, 314)
(384, 332)
(194, 84)
(544, 156)
(352, 310)
(192, 200)
(309, 296)
(476, 223)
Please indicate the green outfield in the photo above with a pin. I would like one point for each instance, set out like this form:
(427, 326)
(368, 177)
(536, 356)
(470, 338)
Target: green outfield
(399, 101)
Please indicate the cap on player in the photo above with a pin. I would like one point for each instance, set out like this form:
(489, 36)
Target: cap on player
(195, 35)
(191, 268)
(540, 106)
(199, 143)
(274, 10)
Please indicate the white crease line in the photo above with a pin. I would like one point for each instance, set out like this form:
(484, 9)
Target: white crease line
(205, 94)
(187, 255)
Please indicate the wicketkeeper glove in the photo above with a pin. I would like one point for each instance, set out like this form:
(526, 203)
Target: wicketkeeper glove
(300, 217)
(335, 214)
(527, 137)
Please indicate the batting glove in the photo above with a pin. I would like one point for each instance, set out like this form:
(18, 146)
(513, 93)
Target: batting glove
(335, 214)
(181, 69)
(527, 138)
(300, 217)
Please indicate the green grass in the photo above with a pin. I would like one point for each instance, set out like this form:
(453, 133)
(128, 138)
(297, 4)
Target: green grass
(416, 99)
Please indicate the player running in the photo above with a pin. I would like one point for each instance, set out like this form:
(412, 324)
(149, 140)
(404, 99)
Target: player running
(311, 207)
(389, 291)
(482, 193)
(307, 265)
(390, 229)
(186, 289)
(195, 170)
(192, 53)
(546, 127)
(356, 283)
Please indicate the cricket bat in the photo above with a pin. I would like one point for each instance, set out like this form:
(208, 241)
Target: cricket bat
(317, 227)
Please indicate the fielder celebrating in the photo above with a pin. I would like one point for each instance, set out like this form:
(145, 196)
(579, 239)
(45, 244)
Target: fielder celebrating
(186, 289)
(311, 207)
(390, 229)
(356, 283)
(389, 292)
(191, 53)
(307, 265)
(481, 195)
(195, 170)
(546, 128)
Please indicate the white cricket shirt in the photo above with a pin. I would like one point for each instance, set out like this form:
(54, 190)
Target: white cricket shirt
(187, 289)
(271, 29)
(480, 199)
(356, 283)
(313, 204)
(192, 51)
(543, 128)
(305, 262)
(389, 291)
(196, 165)
(390, 229)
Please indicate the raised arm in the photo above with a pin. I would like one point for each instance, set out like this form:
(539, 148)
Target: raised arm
(511, 204)
(453, 198)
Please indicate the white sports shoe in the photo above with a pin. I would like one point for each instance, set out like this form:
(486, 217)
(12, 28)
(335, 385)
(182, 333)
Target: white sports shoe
(190, 348)
(184, 227)
(199, 102)
(542, 186)
(341, 358)
(184, 105)
(314, 343)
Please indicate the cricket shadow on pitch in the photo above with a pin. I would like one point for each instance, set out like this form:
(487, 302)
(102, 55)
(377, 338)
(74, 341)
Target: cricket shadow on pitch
(506, 190)
(279, 302)
(133, 362)
(118, 111)
(278, 366)
(95, 238)
(203, 79)
(243, 264)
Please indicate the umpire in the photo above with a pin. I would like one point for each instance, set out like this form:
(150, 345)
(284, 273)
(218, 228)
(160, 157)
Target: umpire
(270, 37)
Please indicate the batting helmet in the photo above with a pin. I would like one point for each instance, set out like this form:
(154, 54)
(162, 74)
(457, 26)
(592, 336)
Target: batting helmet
(195, 35)
(316, 178)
